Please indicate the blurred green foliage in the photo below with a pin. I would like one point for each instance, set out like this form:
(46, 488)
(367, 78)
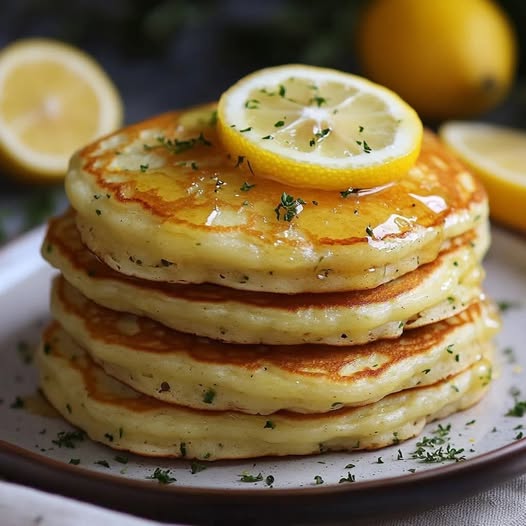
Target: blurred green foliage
(279, 30)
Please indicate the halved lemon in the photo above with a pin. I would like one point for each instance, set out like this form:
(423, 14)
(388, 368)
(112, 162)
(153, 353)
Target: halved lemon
(497, 155)
(53, 99)
(319, 128)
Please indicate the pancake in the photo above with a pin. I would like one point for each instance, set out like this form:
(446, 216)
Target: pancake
(180, 368)
(161, 200)
(121, 418)
(432, 292)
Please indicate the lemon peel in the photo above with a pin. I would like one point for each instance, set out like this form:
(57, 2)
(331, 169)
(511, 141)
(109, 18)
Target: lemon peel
(319, 128)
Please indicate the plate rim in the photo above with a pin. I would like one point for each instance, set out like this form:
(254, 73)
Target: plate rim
(411, 491)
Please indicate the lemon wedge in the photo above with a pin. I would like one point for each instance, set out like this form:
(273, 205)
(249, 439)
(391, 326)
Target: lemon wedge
(53, 99)
(497, 155)
(318, 128)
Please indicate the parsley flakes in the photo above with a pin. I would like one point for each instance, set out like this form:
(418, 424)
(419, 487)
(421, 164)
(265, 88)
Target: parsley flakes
(69, 438)
(518, 410)
(289, 207)
(246, 477)
(162, 476)
(209, 396)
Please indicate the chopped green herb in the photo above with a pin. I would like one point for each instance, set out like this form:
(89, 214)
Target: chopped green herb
(279, 124)
(269, 480)
(400, 456)
(196, 467)
(245, 477)
(318, 480)
(282, 90)
(360, 129)
(350, 466)
(519, 435)
(322, 133)
(209, 396)
(348, 478)
(252, 104)
(120, 459)
(177, 146)
(74, 461)
(379, 461)
(318, 100)
(244, 130)
(103, 463)
(505, 306)
(108, 437)
(269, 424)
(289, 207)
(440, 454)
(240, 159)
(144, 167)
(369, 231)
(267, 137)
(98, 212)
(162, 476)
(245, 187)
(69, 438)
(182, 449)
(518, 410)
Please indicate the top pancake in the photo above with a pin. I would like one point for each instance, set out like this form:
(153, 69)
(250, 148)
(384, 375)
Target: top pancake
(163, 201)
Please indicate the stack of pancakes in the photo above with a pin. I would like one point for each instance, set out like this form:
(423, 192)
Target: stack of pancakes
(203, 311)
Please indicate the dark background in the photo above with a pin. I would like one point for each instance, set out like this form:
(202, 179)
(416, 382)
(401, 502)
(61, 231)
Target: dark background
(168, 54)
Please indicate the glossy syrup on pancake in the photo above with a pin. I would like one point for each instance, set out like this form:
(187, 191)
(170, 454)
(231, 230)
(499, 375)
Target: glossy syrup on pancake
(121, 418)
(182, 368)
(161, 200)
(430, 293)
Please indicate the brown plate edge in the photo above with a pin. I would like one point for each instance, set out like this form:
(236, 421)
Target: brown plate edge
(372, 499)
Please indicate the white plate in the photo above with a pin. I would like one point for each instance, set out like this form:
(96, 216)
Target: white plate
(384, 481)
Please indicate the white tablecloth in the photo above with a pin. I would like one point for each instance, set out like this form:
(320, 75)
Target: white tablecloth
(504, 505)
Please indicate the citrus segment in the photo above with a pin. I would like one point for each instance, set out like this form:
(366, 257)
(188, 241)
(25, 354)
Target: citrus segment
(319, 128)
(498, 156)
(53, 99)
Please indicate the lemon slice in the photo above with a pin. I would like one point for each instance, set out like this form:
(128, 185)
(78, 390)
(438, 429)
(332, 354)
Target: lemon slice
(319, 128)
(53, 99)
(498, 156)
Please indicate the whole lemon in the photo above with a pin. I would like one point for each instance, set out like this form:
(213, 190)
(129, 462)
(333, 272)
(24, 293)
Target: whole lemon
(446, 58)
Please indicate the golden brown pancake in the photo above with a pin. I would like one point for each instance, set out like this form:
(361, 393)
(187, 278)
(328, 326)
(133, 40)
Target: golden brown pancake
(181, 368)
(432, 292)
(162, 201)
(121, 418)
